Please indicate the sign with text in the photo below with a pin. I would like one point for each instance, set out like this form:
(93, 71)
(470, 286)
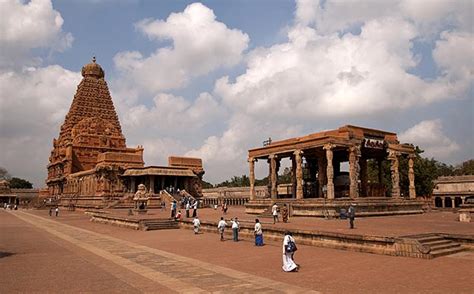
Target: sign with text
(374, 143)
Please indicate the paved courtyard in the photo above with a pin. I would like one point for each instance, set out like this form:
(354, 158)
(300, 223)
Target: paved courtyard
(70, 254)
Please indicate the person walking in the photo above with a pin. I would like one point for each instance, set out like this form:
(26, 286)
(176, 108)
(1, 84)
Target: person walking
(195, 208)
(258, 233)
(221, 227)
(284, 213)
(188, 206)
(235, 229)
(173, 209)
(289, 248)
(57, 210)
(196, 225)
(275, 213)
(225, 208)
(50, 211)
(351, 215)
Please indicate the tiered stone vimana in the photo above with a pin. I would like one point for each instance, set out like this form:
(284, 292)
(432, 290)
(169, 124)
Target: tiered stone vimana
(90, 139)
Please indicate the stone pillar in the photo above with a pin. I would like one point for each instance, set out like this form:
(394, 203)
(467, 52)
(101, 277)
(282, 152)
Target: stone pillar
(363, 176)
(354, 154)
(273, 176)
(152, 184)
(251, 161)
(299, 174)
(411, 176)
(393, 157)
(453, 202)
(321, 175)
(293, 177)
(329, 171)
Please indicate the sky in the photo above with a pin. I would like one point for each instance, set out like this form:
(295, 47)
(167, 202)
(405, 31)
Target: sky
(213, 79)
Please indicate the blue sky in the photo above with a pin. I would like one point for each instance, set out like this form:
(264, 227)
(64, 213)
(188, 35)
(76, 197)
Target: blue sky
(215, 78)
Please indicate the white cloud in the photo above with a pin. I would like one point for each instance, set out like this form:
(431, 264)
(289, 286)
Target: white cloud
(24, 26)
(33, 104)
(324, 72)
(170, 112)
(200, 44)
(430, 137)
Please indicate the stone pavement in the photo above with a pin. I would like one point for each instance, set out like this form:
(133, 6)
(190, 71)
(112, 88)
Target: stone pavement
(42, 262)
(175, 272)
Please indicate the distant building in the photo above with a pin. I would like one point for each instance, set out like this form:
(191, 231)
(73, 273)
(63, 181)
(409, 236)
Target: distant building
(451, 192)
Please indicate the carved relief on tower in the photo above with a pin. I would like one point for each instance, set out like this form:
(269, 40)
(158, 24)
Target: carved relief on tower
(97, 132)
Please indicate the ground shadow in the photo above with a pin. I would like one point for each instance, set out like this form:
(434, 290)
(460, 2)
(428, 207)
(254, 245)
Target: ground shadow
(5, 254)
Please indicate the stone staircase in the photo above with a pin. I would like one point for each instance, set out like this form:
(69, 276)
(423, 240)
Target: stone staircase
(437, 244)
(159, 224)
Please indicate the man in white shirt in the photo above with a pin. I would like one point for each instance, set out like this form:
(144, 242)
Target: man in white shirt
(221, 227)
(196, 225)
(235, 229)
(188, 206)
(275, 213)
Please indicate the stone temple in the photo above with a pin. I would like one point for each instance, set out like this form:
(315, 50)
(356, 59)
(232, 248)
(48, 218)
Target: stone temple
(319, 186)
(90, 164)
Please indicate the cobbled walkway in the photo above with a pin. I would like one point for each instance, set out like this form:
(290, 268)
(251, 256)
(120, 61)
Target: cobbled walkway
(178, 273)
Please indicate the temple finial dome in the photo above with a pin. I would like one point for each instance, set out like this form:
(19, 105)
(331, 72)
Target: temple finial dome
(93, 70)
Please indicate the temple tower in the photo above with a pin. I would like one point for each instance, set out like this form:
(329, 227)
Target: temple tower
(91, 133)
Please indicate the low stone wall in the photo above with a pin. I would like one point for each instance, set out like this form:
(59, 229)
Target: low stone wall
(332, 208)
(118, 221)
(360, 243)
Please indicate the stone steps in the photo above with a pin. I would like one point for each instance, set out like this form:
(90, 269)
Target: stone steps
(439, 246)
(162, 224)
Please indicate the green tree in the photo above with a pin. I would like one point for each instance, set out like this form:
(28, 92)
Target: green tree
(465, 168)
(285, 178)
(207, 185)
(17, 183)
(426, 171)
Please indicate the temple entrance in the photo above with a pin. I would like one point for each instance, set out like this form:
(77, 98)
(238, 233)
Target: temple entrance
(447, 202)
(438, 202)
(457, 201)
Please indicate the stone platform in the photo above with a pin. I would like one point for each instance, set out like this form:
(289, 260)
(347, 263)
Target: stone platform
(394, 236)
(380, 206)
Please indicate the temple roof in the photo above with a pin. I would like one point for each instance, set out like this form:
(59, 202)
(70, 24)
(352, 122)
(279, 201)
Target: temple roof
(159, 171)
(93, 70)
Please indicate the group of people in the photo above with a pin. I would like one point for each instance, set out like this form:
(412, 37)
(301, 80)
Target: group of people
(276, 210)
(10, 206)
(188, 205)
(56, 211)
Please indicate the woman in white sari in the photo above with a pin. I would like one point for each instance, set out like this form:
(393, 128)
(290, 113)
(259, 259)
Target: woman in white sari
(289, 264)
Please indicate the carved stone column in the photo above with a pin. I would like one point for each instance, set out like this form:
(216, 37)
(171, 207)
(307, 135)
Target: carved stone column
(354, 168)
(393, 157)
(329, 171)
(251, 161)
(299, 174)
(273, 176)
(363, 176)
(293, 176)
(321, 175)
(411, 176)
